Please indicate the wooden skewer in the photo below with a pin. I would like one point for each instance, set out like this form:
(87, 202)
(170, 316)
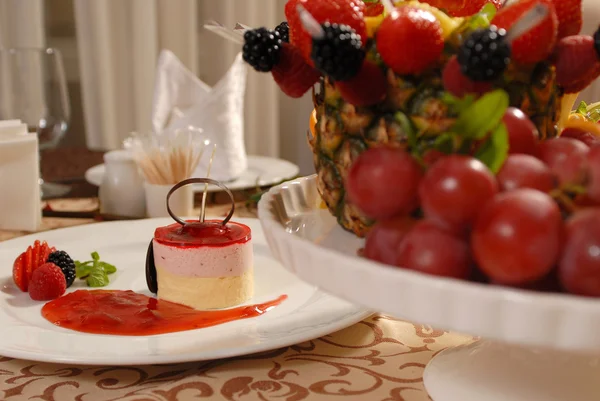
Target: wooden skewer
(203, 208)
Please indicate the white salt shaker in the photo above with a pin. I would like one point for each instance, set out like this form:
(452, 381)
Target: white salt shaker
(121, 192)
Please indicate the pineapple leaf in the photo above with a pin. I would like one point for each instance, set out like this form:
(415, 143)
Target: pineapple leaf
(477, 120)
(494, 151)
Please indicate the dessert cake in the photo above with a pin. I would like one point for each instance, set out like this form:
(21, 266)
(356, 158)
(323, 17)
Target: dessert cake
(203, 265)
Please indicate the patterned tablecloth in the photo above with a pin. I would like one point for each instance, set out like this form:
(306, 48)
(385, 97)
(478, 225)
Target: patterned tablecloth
(380, 358)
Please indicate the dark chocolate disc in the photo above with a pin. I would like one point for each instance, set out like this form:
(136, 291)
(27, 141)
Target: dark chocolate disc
(151, 279)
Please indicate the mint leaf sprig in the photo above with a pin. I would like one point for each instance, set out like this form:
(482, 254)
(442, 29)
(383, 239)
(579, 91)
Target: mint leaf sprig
(94, 271)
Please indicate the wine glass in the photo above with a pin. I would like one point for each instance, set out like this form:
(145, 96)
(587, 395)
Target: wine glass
(33, 89)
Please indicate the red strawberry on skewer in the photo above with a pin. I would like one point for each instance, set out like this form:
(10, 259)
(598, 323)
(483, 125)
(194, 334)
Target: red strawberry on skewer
(265, 51)
(570, 20)
(337, 52)
(486, 53)
(537, 44)
(410, 40)
(343, 12)
(577, 61)
(473, 7)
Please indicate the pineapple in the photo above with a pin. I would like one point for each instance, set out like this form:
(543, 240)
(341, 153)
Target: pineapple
(413, 115)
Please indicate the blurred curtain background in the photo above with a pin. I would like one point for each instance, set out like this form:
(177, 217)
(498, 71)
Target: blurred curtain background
(110, 49)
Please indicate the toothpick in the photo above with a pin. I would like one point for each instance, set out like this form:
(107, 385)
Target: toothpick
(203, 208)
(225, 32)
(310, 24)
(388, 5)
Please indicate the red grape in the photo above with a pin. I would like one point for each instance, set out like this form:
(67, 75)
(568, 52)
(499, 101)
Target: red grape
(453, 190)
(566, 157)
(584, 136)
(384, 239)
(516, 238)
(523, 135)
(525, 171)
(579, 265)
(431, 156)
(429, 249)
(593, 183)
(383, 182)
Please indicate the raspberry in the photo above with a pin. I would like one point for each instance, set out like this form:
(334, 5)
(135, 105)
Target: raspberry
(577, 62)
(293, 75)
(66, 264)
(367, 88)
(458, 84)
(47, 282)
(27, 262)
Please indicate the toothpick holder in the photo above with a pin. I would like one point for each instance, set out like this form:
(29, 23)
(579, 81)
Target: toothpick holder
(181, 201)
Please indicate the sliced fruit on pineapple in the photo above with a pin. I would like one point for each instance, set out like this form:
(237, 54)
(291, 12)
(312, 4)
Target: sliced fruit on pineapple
(583, 125)
(330, 134)
(372, 24)
(355, 121)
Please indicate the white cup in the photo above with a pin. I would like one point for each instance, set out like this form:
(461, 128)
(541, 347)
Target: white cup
(181, 201)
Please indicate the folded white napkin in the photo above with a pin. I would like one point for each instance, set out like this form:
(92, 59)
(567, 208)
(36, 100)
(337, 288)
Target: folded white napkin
(182, 100)
(20, 205)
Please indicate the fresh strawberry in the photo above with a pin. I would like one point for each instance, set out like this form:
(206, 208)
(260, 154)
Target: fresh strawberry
(27, 262)
(366, 88)
(472, 7)
(570, 20)
(293, 75)
(347, 12)
(48, 282)
(458, 84)
(410, 40)
(577, 62)
(447, 5)
(536, 44)
(373, 9)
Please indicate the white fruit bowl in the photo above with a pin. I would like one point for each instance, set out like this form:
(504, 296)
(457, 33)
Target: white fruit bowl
(552, 332)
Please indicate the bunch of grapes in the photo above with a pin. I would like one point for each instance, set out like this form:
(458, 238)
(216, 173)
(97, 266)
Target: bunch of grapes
(535, 224)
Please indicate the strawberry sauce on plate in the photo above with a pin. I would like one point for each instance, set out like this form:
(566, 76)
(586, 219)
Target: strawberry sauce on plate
(128, 313)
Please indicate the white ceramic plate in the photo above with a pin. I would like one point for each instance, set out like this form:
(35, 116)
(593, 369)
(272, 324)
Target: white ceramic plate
(310, 243)
(307, 313)
(262, 171)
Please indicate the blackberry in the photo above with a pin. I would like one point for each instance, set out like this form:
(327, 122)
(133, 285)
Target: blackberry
(284, 31)
(485, 54)
(338, 54)
(262, 48)
(66, 264)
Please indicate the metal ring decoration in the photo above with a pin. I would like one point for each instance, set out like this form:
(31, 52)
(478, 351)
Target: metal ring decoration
(200, 181)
